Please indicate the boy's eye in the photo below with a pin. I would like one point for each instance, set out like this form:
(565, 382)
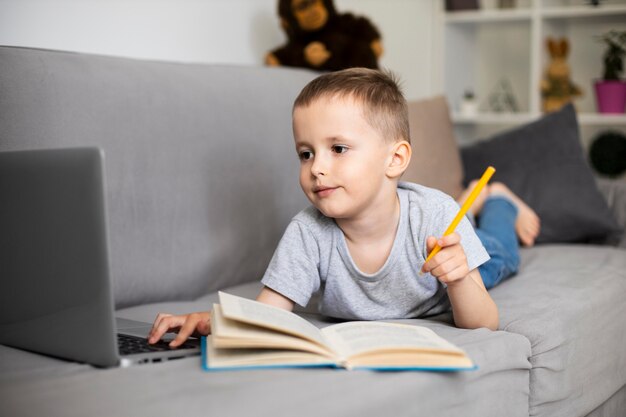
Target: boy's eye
(305, 155)
(340, 149)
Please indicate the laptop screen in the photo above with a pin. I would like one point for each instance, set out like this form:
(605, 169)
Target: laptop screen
(56, 291)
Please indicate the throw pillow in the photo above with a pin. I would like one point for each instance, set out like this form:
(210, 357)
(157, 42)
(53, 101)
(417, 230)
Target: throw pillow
(434, 147)
(543, 163)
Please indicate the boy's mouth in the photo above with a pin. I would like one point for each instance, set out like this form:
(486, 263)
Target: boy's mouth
(323, 191)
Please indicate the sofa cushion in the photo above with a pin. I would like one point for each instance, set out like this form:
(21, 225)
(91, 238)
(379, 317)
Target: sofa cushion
(544, 164)
(436, 161)
(568, 300)
(614, 192)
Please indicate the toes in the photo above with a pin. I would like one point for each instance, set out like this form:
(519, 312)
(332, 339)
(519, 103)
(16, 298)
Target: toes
(526, 240)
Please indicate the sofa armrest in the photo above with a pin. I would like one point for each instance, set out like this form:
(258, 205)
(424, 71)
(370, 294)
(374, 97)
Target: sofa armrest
(615, 193)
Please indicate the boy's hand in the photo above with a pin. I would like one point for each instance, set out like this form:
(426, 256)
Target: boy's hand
(450, 264)
(185, 325)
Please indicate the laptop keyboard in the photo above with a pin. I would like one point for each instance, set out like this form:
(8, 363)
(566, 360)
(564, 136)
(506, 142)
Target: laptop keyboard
(129, 345)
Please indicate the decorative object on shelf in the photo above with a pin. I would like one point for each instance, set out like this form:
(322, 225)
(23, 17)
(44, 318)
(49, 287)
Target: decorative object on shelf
(607, 153)
(320, 38)
(507, 4)
(502, 99)
(557, 89)
(611, 89)
(455, 5)
(469, 104)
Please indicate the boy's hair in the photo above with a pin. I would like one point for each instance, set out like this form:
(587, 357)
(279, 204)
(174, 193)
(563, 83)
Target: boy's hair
(384, 105)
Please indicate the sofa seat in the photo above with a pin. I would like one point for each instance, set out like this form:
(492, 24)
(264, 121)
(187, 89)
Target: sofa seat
(181, 385)
(572, 326)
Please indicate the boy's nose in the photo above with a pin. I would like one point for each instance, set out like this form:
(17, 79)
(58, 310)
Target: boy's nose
(317, 173)
(318, 168)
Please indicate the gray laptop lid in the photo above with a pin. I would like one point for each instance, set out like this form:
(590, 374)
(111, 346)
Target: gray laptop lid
(55, 296)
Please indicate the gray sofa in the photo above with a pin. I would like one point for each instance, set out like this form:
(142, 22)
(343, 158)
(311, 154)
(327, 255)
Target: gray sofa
(202, 180)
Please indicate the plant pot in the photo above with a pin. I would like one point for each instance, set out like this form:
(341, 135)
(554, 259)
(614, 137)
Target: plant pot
(611, 96)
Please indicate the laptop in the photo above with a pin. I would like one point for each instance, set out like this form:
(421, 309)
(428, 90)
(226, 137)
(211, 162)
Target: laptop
(56, 295)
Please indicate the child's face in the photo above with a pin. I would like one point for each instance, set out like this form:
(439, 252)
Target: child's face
(343, 159)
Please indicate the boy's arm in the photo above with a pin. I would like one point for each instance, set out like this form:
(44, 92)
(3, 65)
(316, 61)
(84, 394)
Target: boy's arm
(199, 323)
(472, 305)
(271, 297)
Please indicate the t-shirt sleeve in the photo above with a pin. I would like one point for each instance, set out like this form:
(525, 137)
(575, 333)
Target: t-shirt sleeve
(474, 249)
(294, 268)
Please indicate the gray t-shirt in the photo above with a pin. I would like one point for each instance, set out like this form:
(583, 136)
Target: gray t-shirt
(313, 256)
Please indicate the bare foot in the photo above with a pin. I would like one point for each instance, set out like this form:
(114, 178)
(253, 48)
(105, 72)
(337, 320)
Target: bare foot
(527, 224)
(480, 199)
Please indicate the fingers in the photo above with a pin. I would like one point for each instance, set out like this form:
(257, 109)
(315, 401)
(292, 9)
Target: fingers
(430, 244)
(449, 240)
(186, 325)
(195, 322)
(163, 324)
(451, 270)
(204, 328)
(450, 263)
(431, 241)
(156, 323)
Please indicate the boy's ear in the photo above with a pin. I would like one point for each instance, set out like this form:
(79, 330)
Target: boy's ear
(400, 158)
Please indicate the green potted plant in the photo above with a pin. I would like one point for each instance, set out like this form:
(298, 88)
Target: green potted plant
(611, 89)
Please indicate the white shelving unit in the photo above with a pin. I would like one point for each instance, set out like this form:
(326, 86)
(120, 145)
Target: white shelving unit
(480, 48)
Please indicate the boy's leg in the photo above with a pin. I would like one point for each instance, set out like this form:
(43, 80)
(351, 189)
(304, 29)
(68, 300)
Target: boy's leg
(527, 224)
(497, 233)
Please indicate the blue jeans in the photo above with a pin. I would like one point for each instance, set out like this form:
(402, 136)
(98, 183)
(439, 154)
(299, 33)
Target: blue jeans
(496, 231)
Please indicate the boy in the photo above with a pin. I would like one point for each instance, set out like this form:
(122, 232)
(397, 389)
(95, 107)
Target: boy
(366, 237)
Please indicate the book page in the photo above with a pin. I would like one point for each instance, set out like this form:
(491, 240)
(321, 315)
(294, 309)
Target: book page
(264, 315)
(353, 338)
(229, 334)
(217, 358)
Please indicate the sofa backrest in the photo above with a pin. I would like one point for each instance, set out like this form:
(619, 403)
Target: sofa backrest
(201, 171)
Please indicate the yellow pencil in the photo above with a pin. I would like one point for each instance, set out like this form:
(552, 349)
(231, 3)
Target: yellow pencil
(466, 205)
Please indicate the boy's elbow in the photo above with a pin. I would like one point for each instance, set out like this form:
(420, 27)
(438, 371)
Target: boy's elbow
(491, 317)
(478, 325)
(493, 325)
(490, 322)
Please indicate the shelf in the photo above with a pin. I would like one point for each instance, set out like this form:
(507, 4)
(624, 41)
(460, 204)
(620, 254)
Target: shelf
(485, 16)
(480, 48)
(584, 119)
(596, 119)
(568, 12)
(494, 118)
(563, 12)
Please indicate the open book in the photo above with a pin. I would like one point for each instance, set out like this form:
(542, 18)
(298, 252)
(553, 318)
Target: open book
(249, 334)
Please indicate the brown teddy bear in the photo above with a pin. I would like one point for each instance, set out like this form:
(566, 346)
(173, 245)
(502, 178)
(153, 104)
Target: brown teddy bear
(320, 38)
(556, 87)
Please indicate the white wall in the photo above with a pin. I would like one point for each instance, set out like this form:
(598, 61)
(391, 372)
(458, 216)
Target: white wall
(213, 31)
(407, 29)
